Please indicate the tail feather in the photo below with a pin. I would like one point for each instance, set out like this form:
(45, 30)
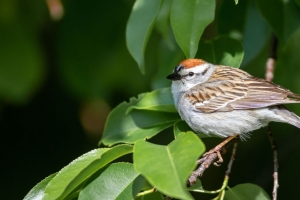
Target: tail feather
(294, 97)
(289, 116)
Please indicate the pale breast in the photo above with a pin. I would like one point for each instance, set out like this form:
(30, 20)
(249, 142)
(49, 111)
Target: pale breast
(226, 124)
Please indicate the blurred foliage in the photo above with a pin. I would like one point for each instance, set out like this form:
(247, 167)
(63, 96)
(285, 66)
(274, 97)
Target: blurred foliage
(52, 70)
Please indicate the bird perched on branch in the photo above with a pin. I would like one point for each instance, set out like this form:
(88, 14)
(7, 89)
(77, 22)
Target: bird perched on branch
(226, 101)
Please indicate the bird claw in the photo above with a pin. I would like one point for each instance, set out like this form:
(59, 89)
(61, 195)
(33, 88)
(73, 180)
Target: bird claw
(217, 151)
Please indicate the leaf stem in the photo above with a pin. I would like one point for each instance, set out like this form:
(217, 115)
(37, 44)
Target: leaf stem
(146, 192)
(225, 182)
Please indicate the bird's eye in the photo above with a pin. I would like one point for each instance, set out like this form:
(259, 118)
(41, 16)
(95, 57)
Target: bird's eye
(191, 74)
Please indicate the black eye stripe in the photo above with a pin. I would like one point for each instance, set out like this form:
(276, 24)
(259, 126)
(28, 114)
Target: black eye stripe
(178, 68)
(205, 71)
(188, 74)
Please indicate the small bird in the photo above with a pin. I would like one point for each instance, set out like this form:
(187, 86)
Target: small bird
(226, 101)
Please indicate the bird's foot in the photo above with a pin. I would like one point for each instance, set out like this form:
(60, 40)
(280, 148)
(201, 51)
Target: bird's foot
(218, 150)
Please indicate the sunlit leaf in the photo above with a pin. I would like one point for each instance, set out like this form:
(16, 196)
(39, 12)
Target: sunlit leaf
(222, 51)
(246, 191)
(81, 170)
(122, 126)
(38, 191)
(168, 167)
(139, 27)
(188, 21)
(117, 182)
(157, 100)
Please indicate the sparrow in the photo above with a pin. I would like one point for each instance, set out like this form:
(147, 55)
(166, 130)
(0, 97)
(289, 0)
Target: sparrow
(226, 101)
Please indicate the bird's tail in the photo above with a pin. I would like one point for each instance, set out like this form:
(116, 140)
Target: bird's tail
(295, 97)
(289, 116)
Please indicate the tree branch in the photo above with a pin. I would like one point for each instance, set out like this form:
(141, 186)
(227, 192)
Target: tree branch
(270, 66)
(206, 161)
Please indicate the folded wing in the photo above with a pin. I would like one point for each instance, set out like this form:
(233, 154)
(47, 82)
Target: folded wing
(227, 90)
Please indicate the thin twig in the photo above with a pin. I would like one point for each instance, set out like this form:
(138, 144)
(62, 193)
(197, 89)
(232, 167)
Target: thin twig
(232, 157)
(275, 161)
(221, 191)
(270, 66)
(206, 161)
(146, 192)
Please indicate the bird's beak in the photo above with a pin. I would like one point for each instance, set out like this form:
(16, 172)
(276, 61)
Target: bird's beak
(174, 76)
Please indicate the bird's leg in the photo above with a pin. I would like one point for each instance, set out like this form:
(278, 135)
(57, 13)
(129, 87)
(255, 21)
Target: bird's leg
(218, 148)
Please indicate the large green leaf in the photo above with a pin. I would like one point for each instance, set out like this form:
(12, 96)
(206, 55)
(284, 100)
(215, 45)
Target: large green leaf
(157, 100)
(188, 21)
(139, 27)
(81, 170)
(254, 39)
(284, 17)
(162, 21)
(246, 191)
(287, 71)
(168, 167)
(122, 126)
(38, 191)
(222, 50)
(118, 181)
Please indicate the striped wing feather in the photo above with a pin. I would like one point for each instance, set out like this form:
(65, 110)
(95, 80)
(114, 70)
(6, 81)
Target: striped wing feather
(227, 90)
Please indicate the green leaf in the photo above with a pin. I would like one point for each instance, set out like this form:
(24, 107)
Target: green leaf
(227, 21)
(139, 27)
(162, 21)
(222, 51)
(179, 127)
(169, 57)
(236, 2)
(284, 17)
(246, 191)
(117, 182)
(287, 72)
(167, 168)
(138, 124)
(38, 191)
(81, 170)
(157, 100)
(188, 21)
(254, 39)
(182, 126)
